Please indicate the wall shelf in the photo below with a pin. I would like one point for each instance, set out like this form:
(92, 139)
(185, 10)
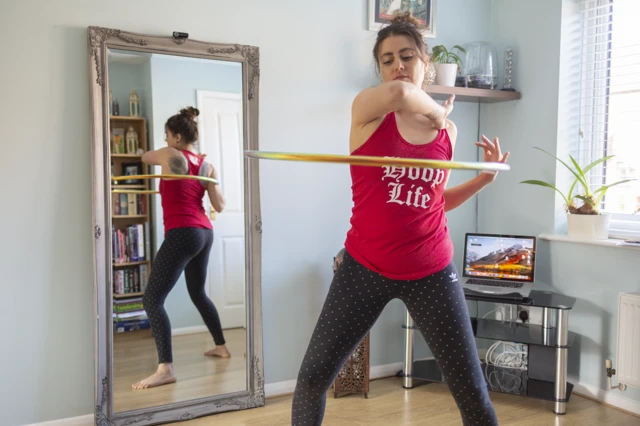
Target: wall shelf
(126, 118)
(126, 155)
(465, 94)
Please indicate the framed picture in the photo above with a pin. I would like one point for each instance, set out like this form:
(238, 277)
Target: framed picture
(129, 169)
(382, 12)
(117, 141)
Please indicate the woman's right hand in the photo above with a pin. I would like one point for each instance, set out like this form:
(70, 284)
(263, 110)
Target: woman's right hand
(440, 117)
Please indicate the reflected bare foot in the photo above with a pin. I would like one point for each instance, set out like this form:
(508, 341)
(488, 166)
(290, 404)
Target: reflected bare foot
(219, 351)
(163, 376)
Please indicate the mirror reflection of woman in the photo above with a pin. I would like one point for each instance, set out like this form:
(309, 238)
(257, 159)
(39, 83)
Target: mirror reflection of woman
(187, 243)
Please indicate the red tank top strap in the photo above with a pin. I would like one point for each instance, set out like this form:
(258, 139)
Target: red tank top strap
(194, 160)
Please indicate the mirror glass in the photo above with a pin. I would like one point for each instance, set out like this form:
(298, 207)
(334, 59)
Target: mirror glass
(145, 90)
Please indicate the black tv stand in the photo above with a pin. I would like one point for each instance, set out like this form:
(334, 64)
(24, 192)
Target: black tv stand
(546, 373)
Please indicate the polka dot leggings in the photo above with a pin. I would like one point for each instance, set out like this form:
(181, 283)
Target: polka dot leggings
(356, 298)
(183, 249)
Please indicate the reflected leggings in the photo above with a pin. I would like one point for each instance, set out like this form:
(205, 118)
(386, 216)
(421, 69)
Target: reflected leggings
(183, 249)
(356, 298)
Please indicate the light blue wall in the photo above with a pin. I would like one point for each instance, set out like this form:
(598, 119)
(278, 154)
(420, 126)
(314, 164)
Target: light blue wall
(175, 81)
(594, 275)
(125, 77)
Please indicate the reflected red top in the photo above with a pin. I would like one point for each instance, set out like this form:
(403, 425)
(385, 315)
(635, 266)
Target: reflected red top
(182, 205)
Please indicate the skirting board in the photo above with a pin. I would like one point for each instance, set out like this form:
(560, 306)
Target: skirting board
(189, 330)
(286, 388)
(611, 398)
(72, 421)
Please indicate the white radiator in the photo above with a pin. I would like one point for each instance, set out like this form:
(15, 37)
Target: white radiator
(628, 368)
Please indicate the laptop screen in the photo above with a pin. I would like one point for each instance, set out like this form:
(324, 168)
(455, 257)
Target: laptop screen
(503, 257)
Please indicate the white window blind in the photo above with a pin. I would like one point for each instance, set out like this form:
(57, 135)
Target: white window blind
(610, 106)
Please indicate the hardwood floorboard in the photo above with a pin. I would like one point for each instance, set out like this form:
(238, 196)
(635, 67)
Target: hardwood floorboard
(135, 357)
(429, 404)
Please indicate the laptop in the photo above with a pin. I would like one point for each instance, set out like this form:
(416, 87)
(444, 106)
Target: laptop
(499, 266)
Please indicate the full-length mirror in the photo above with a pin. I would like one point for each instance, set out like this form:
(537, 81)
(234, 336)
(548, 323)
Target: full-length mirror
(177, 260)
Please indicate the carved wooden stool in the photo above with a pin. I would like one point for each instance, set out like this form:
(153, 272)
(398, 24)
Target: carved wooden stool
(354, 376)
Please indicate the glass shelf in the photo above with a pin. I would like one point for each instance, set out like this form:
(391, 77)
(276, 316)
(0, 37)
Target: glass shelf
(530, 334)
(510, 331)
(537, 298)
(499, 379)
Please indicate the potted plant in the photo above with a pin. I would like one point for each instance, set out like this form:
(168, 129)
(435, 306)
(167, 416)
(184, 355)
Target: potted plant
(447, 64)
(584, 220)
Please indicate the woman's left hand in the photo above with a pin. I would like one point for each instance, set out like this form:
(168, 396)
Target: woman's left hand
(492, 154)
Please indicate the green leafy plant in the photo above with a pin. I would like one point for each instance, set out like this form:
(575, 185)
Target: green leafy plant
(441, 55)
(591, 198)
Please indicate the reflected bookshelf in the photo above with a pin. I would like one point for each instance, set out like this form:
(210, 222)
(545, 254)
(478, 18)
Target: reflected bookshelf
(132, 223)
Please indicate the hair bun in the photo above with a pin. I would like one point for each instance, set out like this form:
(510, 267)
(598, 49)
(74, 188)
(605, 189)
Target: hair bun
(190, 112)
(405, 18)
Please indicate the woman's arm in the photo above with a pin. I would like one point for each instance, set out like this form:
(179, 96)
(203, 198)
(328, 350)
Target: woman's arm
(213, 190)
(378, 101)
(458, 195)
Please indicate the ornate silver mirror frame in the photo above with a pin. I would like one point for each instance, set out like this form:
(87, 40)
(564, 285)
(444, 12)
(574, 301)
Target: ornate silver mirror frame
(100, 39)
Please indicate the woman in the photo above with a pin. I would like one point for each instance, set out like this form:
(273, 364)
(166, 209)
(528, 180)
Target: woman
(398, 245)
(187, 243)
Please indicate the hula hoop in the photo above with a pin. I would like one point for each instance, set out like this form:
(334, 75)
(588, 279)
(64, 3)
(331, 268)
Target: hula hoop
(166, 176)
(134, 191)
(362, 160)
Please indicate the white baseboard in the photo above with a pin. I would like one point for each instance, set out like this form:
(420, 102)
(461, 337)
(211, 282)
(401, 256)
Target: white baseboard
(287, 387)
(189, 330)
(383, 371)
(613, 398)
(279, 388)
(72, 421)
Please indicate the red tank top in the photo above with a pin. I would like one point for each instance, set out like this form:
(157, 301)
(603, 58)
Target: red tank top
(182, 205)
(398, 224)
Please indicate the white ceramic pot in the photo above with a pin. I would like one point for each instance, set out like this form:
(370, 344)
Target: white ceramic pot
(588, 226)
(446, 74)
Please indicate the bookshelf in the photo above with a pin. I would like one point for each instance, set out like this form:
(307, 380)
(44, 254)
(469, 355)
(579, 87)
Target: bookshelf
(131, 223)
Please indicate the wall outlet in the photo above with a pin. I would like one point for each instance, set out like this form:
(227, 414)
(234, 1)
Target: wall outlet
(523, 314)
(533, 314)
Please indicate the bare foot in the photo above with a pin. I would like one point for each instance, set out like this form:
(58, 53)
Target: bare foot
(164, 375)
(220, 351)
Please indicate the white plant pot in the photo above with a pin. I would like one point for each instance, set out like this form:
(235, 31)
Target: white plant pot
(446, 74)
(588, 226)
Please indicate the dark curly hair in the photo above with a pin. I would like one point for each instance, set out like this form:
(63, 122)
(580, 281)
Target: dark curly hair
(184, 124)
(402, 24)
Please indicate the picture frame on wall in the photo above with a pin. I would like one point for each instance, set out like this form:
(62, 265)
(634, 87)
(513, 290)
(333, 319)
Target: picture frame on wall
(381, 12)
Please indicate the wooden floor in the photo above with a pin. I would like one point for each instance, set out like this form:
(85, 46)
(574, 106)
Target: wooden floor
(430, 404)
(135, 357)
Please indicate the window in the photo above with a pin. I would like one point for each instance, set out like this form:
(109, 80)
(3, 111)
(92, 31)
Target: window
(610, 106)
